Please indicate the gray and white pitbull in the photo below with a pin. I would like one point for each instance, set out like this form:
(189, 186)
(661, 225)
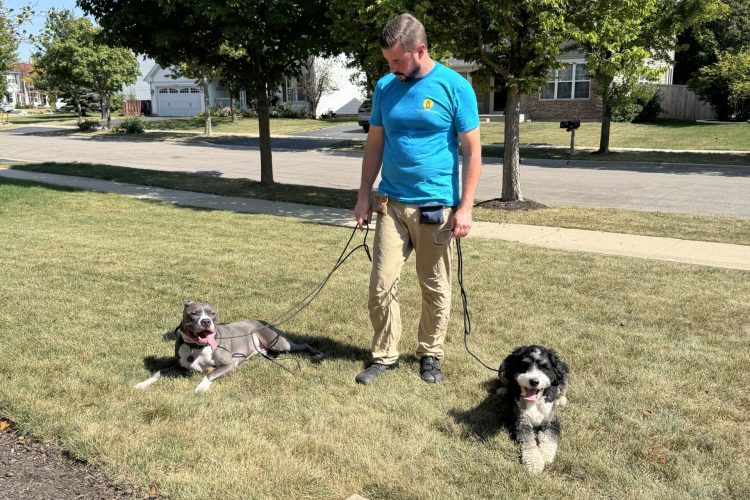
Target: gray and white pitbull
(204, 344)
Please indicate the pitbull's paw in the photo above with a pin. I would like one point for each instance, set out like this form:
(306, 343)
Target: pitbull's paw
(148, 382)
(203, 386)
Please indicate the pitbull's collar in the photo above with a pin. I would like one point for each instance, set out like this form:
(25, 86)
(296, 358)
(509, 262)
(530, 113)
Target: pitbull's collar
(209, 340)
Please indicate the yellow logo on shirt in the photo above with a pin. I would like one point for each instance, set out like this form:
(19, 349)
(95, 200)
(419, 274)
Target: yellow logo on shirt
(428, 104)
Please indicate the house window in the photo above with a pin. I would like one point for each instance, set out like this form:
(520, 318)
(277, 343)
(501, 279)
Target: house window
(186, 90)
(293, 91)
(572, 81)
(163, 91)
(194, 90)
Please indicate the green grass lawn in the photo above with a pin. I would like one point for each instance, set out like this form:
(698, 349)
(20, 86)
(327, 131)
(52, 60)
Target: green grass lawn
(664, 134)
(224, 125)
(589, 154)
(41, 118)
(691, 227)
(93, 283)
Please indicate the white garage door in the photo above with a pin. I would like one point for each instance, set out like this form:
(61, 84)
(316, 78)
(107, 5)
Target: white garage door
(180, 101)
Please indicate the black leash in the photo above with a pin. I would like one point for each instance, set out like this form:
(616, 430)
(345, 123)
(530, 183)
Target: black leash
(304, 302)
(464, 297)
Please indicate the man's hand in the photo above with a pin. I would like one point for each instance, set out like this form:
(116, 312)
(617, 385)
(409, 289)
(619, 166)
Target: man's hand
(461, 224)
(363, 210)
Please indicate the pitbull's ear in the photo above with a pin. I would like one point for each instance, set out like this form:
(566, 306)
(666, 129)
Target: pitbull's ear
(187, 303)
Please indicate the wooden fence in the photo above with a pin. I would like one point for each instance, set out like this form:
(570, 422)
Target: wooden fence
(680, 102)
(131, 108)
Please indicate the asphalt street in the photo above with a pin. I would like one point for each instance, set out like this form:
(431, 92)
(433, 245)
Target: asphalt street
(690, 189)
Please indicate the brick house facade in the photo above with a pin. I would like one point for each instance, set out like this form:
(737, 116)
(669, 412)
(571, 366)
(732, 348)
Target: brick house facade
(536, 108)
(570, 93)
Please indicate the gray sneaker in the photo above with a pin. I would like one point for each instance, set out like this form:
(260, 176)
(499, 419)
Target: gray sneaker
(429, 369)
(374, 371)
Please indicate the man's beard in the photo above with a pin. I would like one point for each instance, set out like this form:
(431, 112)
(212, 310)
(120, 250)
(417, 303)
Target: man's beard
(411, 76)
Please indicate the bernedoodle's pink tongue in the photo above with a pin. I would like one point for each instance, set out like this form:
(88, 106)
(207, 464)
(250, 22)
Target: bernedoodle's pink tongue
(530, 395)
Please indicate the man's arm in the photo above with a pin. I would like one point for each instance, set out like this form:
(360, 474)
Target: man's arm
(471, 151)
(370, 168)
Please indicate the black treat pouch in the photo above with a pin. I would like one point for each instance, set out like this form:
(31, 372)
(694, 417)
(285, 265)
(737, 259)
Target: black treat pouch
(431, 214)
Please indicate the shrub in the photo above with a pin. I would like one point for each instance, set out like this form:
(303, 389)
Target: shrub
(115, 103)
(133, 125)
(651, 109)
(328, 115)
(642, 104)
(221, 111)
(88, 125)
(286, 110)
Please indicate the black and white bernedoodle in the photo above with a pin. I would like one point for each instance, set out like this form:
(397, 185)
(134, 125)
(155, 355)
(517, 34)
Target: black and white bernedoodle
(205, 346)
(536, 381)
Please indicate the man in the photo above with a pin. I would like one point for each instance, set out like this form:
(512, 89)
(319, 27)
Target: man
(420, 110)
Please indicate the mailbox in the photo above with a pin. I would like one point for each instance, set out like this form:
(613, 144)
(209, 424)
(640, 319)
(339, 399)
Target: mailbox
(570, 125)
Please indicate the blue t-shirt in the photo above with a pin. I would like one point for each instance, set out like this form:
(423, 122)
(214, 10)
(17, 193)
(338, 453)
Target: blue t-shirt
(422, 119)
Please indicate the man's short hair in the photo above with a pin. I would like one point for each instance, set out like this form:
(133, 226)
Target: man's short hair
(405, 29)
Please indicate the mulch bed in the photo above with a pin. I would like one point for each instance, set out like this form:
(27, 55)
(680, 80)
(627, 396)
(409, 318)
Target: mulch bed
(499, 204)
(31, 470)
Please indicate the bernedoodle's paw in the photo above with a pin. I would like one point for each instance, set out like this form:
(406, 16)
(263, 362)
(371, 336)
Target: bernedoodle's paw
(533, 461)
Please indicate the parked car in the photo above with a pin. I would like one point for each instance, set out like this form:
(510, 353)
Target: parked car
(60, 104)
(7, 108)
(363, 115)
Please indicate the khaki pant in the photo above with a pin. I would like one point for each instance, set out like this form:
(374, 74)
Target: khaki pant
(398, 232)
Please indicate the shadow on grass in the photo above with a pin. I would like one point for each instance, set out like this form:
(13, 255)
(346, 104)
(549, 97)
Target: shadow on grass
(727, 164)
(203, 181)
(492, 415)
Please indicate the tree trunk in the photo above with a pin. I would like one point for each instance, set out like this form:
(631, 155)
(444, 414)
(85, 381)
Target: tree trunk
(606, 87)
(78, 108)
(606, 123)
(264, 129)
(232, 108)
(511, 154)
(207, 107)
(109, 112)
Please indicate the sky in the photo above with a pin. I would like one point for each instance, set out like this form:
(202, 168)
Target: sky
(40, 7)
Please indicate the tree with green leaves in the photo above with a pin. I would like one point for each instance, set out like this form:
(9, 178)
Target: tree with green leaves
(254, 43)
(71, 61)
(728, 77)
(519, 42)
(109, 69)
(60, 62)
(8, 46)
(356, 31)
(624, 41)
(703, 45)
(700, 44)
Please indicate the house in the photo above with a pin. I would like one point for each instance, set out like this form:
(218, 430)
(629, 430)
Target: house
(137, 97)
(20, 92)
(569, 92)
(181, 96)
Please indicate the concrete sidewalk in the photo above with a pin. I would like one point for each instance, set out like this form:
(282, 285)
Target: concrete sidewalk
(645, 247)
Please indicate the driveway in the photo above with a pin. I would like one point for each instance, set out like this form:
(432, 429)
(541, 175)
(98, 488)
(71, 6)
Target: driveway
(700, 190)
